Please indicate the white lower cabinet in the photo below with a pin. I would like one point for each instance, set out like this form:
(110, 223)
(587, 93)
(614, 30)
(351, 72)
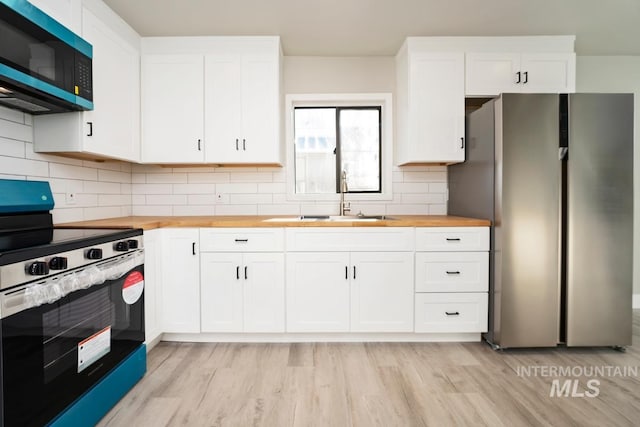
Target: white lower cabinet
(180, 280)
(318, 292)
(350, 292)
(242, 292)
(451, 312)
(242, 280)
(452, 279)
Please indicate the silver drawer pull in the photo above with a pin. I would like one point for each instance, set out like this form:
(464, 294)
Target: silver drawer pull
(453, 272)
(452, 313)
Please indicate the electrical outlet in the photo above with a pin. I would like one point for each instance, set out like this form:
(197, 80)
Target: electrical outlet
(70, 198)
(222, 198)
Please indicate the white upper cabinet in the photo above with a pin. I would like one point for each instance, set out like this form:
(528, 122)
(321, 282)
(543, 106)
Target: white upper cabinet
(430, 106)
(173, 114)
(236, 93)
(66, 12)
(490, 74)
(112, 128)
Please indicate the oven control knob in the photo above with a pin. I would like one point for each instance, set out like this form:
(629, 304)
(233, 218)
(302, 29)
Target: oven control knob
(122, 246)
(133, 244)
(38, 268)
(94, 253)
(58, 263)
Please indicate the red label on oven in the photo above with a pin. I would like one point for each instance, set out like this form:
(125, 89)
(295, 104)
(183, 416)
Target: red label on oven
(132, 287)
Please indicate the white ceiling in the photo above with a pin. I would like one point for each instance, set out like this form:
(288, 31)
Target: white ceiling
(377, 27)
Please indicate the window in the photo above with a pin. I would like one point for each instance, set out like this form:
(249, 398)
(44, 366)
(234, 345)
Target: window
(330, 133)
(333, 140)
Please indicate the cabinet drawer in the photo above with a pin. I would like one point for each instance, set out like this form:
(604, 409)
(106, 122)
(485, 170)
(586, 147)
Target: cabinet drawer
(241, 239)
(343, 239)
(452, 271)
(447, 312)
(452, 239)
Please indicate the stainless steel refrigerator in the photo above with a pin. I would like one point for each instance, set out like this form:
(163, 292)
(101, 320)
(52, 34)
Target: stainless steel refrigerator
(555, 175)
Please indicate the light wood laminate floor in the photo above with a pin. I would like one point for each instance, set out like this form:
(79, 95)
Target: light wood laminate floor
(374, 384)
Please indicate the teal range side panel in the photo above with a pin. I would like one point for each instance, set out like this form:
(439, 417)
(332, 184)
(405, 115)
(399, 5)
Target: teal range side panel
(44, 21)
(25, 196)
(95, 403)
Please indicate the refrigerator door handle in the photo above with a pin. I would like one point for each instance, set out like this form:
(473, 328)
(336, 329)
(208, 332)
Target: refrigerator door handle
(563, 153)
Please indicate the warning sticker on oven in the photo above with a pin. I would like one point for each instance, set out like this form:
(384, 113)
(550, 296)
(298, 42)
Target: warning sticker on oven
(93, 348)
(133, 287)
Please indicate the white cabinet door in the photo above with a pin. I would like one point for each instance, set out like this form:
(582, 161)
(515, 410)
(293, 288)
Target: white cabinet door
(548, 72)
(66, 12)
(263, 300)
(242, 105)
(223, 104)
(435, 109)
(317, 292)
(152, 285)
(115, 122)
(492, 73)
(221, 283)
(382, 292)
(260, 108)
(172, 109)
(180, 280)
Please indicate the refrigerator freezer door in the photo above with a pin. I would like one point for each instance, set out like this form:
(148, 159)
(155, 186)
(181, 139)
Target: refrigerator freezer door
(600, 212)
(525, 306)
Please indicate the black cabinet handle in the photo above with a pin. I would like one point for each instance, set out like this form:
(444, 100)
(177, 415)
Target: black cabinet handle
(453, 239)
(462, 142)
(526, 77)
(354, 272)
(199, 147)
(236, 144)
(90, 128)
(346, 272)
(193, 248)
(244, 145)
(454, 313)
(453, 272)
(245, 272)
(242, 240)
(237, 272)
(519, 77)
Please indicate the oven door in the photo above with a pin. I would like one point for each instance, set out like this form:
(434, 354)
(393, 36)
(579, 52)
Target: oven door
(54, 352)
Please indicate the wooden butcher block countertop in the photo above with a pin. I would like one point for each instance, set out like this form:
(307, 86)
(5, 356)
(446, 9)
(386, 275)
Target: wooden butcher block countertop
(152, 222)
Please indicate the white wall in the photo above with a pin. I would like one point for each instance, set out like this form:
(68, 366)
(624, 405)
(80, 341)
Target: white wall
(618, 74)
(251, 191)
(102, 190)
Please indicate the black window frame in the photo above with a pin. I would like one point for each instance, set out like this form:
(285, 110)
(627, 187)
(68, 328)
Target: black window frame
(338, 151)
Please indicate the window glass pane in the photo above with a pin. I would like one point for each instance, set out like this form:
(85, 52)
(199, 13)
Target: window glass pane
(315, 145)
(360, 148)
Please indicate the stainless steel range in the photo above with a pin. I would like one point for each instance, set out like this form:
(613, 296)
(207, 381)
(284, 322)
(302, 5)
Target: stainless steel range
(71, 313)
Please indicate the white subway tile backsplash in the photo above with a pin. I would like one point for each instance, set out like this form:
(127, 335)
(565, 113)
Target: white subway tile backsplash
(171, 178)
(145, 210)
(114, 199)
(237, 188)
(194, 188)
(410, 187)
(102, 187)
(248, 199)
(138, 178)
(201, 199)
(272, 187)
(408, 209)
(429, 198)
(214, 177)
(17, 166)
(138, 199)
(236, 210)
(12, 115)
(12, 148)
(166, 199)
(17, 131)
(279, 209)
(191, 210)
(61, 215)
(440, 209)
(74, 172)
(102, 212)
(151, 189)
(438, 187)
(114, 176)
(251, 177)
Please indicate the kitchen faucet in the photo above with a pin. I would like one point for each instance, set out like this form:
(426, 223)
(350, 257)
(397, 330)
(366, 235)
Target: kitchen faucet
(344, 206)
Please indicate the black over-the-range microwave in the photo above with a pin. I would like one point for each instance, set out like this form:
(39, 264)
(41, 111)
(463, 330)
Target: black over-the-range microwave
(44, 67)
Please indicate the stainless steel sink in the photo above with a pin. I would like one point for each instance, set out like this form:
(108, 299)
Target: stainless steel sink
(324, 218)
